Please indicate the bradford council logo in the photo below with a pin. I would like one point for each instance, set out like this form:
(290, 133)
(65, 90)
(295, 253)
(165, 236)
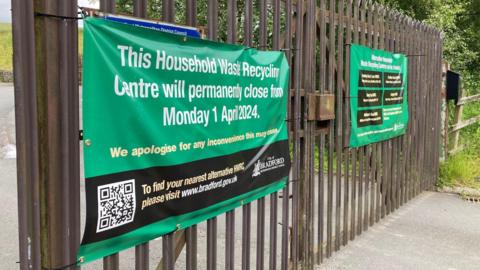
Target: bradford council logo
(269, 164)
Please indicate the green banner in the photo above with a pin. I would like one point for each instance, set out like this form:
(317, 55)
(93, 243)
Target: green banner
(378, 95)
(177, 130)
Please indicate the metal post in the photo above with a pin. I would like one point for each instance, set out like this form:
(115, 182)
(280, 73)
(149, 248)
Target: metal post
(57, 101)
(26, 129)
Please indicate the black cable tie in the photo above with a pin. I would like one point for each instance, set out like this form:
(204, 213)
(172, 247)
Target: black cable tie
(60, 17)
(80, 134)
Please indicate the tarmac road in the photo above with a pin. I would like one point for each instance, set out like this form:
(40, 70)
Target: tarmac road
(435, 231)
(8, 187)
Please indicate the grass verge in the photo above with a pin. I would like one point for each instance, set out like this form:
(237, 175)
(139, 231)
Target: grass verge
(6, 49)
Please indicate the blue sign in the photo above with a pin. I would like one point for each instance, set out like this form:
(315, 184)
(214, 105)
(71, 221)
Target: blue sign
(160, 26)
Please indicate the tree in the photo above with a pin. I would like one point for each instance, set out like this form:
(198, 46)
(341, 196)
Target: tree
(418, 9)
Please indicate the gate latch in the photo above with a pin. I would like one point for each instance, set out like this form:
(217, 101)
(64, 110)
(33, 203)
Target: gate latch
(321, 107)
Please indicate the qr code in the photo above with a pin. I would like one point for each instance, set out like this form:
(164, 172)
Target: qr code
(116, 204)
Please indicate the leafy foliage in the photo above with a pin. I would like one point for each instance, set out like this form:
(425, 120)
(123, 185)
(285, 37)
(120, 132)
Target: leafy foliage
(418, 9)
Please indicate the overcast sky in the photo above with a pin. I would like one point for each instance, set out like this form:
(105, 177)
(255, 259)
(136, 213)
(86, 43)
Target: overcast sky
(6, 13)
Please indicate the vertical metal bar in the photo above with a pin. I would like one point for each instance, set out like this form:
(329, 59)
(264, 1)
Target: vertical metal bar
(331, 85)
(355, 181)
(168, 11)
(321, 192)
(396, 141)
(421, 114)
(408, 168)
(362, 150)
(231, 22)
(400, 154)
(168, 252)
(273, 231)
(368, 148)
(191, 239)
(403, 138)
(361, 181)
(321, 147)
(286, 192)
(296, 218)
(107, 6)
(274, 196)
(383, 183)
(426, 112)
(192, 12)
(246, 209)
(261, 202)
(376, 201)
(142, 256)
(408, 154)
(212, 244)
(417, 111)
(346, 123)
(248, 23)
(212, 23)
(309, 127)
(412, 103)
(246, 223)
(439, 36)
(339, 119)
(141, 251)
(388, 165)
(413, 162)
(432, 107)
(230, 216)
(412, 92)
(230, 239)
(373, 160)
(393, 142)
(140, 8)
(260, 233)
(26, 131)
(111, 262)
(191, 232)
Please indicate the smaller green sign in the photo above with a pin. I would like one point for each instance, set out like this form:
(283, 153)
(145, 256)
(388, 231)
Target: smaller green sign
(378, 95)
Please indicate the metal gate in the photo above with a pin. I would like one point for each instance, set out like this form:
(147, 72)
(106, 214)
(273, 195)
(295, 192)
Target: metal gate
(334, 192)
